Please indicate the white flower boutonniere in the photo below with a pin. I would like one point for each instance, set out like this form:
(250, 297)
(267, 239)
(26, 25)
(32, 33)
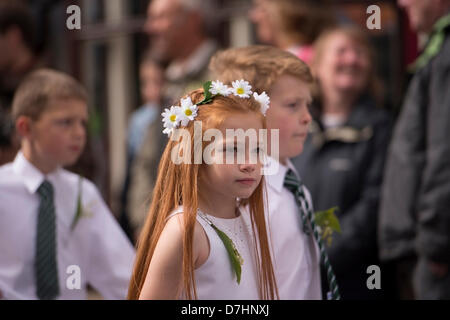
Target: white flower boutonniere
(80, 210)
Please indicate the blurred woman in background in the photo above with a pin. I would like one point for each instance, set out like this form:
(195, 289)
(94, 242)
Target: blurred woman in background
(343, 158)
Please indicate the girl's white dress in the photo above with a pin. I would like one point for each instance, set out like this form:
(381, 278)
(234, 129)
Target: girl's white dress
(216, 279)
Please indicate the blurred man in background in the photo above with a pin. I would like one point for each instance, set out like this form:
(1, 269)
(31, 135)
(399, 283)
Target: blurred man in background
(414, 218)
(143, 122)
(179, 35)
(17, 58)
(178, 31)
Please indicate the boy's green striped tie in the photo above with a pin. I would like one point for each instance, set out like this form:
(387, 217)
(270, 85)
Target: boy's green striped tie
(293, 184)
(45, 264)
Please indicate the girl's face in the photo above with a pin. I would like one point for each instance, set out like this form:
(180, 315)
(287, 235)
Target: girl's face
(344, 65)
(236, 180)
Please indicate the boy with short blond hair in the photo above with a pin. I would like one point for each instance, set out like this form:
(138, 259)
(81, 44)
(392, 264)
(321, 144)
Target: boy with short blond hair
(296, 244)
(56, 233)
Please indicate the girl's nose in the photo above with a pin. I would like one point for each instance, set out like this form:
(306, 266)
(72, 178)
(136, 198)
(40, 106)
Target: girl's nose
(247, 167)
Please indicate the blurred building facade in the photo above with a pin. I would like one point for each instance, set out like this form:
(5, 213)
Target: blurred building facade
(104, 55)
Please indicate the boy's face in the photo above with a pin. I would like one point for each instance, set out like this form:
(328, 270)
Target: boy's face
(290, 98)
(58, 137)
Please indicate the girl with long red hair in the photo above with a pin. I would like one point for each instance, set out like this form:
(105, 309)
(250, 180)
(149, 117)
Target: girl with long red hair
(195, 243)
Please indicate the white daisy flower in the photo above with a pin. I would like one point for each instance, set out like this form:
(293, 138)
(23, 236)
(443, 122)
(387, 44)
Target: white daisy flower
(241, 88)
(188, 111)
(171, 118)
(218, 87)
(168, 131)
(263, 100)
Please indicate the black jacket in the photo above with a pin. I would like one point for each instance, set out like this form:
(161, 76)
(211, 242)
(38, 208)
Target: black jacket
(415, 206)
(343, 167)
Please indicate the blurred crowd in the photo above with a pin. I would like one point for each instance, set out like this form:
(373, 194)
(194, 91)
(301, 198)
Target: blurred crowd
(387, 172)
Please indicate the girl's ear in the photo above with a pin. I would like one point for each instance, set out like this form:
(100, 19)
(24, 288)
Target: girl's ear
(23, 126)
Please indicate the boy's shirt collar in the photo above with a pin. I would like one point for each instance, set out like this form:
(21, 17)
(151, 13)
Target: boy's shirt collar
(276, 181)
(32, 177)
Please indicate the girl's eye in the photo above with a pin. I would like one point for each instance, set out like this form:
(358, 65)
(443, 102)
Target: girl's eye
(257, 150)
(229, 150)
(65, 122)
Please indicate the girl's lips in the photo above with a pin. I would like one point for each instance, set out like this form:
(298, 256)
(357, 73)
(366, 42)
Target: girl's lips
(75, 148)
(247, 182)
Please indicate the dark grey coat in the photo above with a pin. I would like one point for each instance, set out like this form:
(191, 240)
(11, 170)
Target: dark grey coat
(415, 207)
(344, 168)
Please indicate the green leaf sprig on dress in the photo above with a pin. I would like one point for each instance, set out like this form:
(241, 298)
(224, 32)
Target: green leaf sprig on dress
(234, 255)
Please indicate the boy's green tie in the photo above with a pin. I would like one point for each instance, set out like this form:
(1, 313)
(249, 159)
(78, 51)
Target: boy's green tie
(293, 184)
(46, 268)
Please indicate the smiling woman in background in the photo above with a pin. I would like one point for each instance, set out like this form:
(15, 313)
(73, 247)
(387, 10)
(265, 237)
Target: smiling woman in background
(343, 158)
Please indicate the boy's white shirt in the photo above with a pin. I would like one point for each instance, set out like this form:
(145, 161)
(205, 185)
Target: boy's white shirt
(97, 245)
(295, 256)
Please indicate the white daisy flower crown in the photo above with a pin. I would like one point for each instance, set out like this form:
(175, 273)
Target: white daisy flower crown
(187, 111)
